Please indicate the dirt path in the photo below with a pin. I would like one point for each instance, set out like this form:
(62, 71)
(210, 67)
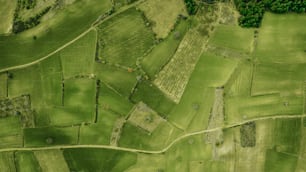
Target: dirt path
(151, 151)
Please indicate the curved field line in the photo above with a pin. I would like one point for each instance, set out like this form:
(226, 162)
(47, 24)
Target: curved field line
(150, 151)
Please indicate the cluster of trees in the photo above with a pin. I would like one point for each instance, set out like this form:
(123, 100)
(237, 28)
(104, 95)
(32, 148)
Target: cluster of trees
(27, 4)
(19, 25)
(252, 11)
(191, 6)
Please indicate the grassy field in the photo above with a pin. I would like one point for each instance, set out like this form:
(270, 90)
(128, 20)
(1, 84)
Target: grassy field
(78, 58)
(26, 162)
(7, 161)
(112, 101)
(52, 77)
(61, 28)
(142, 139)
(279, 162)
(124, 46)
(283, 75)
(156, 10)
(148, 162)
(48, 158)
(3, 85)
(233, 38)
(152, 96)
(163, 52)
(101, 132)
(89, 160)
(26, 81)
(37, 137)
(11, 132)
(210, 71)
(7, 10)
(281, 34)
(109, 75)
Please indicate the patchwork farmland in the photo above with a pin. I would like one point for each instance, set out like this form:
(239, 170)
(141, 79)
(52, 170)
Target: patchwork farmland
(152, 85)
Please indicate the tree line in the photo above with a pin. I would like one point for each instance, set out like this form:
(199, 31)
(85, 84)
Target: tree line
(252, 11)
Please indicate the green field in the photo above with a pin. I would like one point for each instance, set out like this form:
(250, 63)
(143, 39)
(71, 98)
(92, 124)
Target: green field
(282, 34)
(78, 58)
(7, 161)
(124, 46)
(3, 85)
(99, 133)
(36, 137)
(112, 101)
(233, 38)
(211, 71)
(60, 29)
(152, 96)
(109, 74)
(6, 15)
(163, 52)
(95, 160)
(26, 162)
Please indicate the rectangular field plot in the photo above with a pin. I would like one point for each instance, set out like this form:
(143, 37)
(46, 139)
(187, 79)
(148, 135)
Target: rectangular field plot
(97, 159)
(78, 58)
(233, 38)
(156, 10)
(242, 107)
(153, 97)
(124, 38)
(26, 81)
(7, 162)
(51, 161)
(281, 39)
(26, 162)
(80, 97)
(10, 126)
(163, 52)
(151, 162)
(7, 10)
(101, 132)
(36, 137)
(283, 78)
(112, 101)
(110, 76)
(52, 78)
(3, 85)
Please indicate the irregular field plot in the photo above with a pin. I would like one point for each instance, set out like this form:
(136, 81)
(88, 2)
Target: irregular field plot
(26, 162)
(163, 52)
(61, 28)
(279, 162)
(163, 13)
(79, 57)
(101, 132)
(109, 75)
(144, 117)
(282, 39)
(51, 161)
(145, 140)
(233, 38)
(7, 10)
(152, 96)
(124, 38)
(112, 101)
(211, 71)
(145, 162)
(36, 137)
(97, 159)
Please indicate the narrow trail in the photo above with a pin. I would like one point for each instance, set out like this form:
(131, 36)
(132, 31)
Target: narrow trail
(92, 27)
(151, 151)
